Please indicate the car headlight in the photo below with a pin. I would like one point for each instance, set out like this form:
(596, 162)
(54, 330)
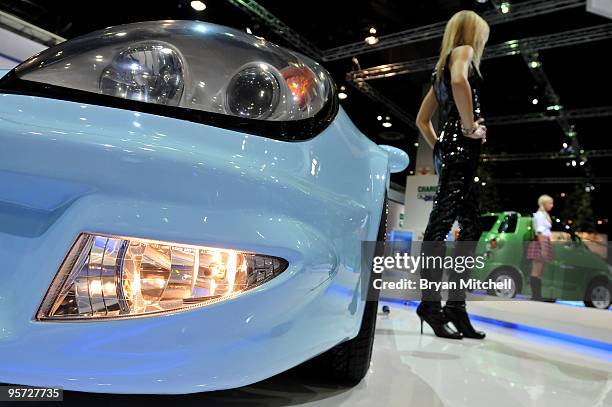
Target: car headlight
(115, 277)
(189, 70)
(148, 72)
(253, 92)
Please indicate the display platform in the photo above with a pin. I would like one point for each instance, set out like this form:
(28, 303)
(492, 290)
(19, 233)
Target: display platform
(569, 322)
(509, 368)
(572, 323)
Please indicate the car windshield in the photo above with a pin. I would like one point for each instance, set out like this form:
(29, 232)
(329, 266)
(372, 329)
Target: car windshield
(509, 224)
(487, 222)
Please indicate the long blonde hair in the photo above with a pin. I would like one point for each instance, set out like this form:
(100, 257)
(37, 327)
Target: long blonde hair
(464, 28)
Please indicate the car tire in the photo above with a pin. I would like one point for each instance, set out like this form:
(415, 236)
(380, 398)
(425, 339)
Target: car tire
(598, 294)
(502, 274)
(349, 362)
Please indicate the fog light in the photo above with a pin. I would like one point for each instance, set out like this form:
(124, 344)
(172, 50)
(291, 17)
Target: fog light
(115, 277)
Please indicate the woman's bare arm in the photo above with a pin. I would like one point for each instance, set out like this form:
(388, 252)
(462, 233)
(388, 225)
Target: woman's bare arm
(426, 112)
(460, 62)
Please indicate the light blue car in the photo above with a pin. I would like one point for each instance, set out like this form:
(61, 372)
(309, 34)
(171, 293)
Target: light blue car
(182, 207)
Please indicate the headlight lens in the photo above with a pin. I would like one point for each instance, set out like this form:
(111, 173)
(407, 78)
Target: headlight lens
(114, 277)
(187, 64)
(253, 92)
(150, 72)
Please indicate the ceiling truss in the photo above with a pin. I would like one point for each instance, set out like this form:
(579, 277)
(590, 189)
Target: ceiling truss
(519, 11)
(587, 113)
(553, 155)
(513, 47)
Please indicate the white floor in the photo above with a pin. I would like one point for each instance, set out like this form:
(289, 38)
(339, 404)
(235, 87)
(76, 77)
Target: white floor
(509, 368)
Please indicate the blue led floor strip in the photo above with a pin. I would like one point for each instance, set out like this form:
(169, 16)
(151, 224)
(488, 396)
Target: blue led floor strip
(577, 340)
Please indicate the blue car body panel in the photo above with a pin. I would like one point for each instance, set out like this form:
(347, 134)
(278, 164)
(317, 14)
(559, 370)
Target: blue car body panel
(68, 168)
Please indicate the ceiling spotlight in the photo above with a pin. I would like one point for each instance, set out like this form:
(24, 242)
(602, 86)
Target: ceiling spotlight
(562, 194)
(535, 64)
(481, 1)
(378, 118)
(372, 30)
(342, 88)
(248, 30)
(416, 144)
(505, 7)
(387, 118)
(573, 163)
(512, 44)
(483, 183)
(387, 124)
(198, 5)
(342, 95)
(476, 179)
(564, 145)
(371, 40)
(535, 101)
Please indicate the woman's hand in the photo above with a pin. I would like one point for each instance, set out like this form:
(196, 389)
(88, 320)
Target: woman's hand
(478, 131)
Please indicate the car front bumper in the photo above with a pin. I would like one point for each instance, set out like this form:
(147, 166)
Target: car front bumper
(68, 168)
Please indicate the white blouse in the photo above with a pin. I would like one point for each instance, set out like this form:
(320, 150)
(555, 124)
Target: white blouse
(541, 223)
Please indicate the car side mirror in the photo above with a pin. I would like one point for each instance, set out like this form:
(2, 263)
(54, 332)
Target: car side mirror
(398, 159)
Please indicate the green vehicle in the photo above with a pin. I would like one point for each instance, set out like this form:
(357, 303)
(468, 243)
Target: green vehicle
(576, 273)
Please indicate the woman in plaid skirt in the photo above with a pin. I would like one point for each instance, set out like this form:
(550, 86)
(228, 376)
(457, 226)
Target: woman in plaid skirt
(540, 249)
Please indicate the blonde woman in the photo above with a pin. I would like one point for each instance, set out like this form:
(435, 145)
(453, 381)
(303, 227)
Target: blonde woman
(540, 249)
(456, 83)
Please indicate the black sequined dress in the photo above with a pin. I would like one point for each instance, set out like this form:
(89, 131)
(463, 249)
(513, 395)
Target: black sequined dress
(457, 197)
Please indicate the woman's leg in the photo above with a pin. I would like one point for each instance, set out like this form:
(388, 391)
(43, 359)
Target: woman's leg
(537, 270)
(440, 222)
(468, 216)
(450, 193)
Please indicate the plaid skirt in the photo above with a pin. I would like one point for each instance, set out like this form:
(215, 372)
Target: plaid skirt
(540, 250)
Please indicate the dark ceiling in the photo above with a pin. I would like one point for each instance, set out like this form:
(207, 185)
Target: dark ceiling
(577, 73)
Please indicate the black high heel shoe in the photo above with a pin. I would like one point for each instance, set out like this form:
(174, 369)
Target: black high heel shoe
(456, 313)
(431, 312)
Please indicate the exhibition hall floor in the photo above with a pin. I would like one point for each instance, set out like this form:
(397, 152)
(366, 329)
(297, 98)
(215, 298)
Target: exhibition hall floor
(510, 368)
